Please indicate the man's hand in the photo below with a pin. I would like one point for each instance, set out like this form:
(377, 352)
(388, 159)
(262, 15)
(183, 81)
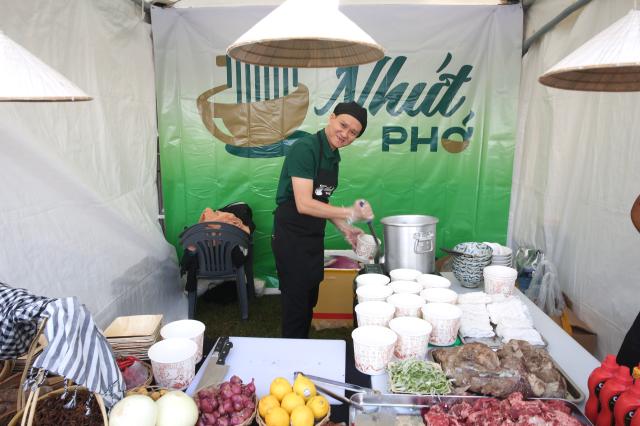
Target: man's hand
(351, 235)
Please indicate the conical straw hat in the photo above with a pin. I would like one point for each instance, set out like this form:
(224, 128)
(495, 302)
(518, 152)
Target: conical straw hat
(306, 34)
(609, 62)
(23, 77)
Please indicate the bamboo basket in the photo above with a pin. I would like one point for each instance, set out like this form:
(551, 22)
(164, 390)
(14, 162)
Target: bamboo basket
(320, 422)
(6, 369)
(247, 422)
(25, 416)
(149, 390)
(147, 383)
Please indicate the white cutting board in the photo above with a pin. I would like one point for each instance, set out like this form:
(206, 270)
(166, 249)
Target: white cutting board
(265, 359)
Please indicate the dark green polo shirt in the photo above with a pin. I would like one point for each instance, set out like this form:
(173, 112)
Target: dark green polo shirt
(302, 161)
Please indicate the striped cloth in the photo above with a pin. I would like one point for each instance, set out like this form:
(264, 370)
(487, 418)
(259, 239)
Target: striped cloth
(77, 350)
(20, 312)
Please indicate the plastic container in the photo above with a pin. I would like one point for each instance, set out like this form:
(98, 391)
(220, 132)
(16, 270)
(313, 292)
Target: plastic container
(407, 304)
(413, 337)
(433, 281)
(406, 287)
(173, 362)
(374, 279)
(609, 394)
(439, 295)
(594, 384)
(445, 319)
(189, 329)
(374, 313)
(369, 293)
(627, 405)
(373, 348)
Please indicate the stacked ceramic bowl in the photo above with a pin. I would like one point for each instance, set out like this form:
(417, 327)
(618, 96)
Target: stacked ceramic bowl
(502, 255)
(468, 267)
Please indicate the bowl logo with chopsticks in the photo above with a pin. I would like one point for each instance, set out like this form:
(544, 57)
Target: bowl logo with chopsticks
(270, 106)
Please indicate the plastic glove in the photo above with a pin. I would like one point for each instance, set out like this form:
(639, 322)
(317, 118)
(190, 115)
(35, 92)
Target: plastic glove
(361, 212)
(351, 235)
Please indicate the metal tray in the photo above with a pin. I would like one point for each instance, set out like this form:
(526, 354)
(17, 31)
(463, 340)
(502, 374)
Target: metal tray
(574, 394)
(368, 408)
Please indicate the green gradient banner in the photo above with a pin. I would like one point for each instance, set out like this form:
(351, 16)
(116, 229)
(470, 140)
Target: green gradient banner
(442, 118)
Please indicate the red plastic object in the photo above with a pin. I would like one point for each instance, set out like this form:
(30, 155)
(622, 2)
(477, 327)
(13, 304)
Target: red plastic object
(627, 406)
(596, 380)
(611, 392)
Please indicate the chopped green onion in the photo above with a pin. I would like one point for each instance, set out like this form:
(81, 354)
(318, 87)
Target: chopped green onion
(417, 377)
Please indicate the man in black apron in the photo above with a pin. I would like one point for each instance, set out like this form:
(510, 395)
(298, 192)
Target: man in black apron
(308, 178)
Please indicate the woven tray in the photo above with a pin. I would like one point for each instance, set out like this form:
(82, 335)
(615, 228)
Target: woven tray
(30, 408)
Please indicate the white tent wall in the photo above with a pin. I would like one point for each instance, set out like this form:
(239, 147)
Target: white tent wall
(79, 205)
(577, 173)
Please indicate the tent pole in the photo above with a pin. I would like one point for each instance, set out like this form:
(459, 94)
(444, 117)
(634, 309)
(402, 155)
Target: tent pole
(552, 23)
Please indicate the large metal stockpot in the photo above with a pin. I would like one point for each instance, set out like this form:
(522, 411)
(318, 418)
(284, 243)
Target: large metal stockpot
(410, 242)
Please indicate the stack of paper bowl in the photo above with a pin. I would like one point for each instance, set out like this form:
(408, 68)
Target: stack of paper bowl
(373, 348)
(407, 304)
(404, 274)
(374, 279)
(374, 313)
(502, 255)
(439, 295)
(368, 293)
(499, 280)
(405, 287)
(413, 337)
(445, 320)
(468, 267)
(433, 281)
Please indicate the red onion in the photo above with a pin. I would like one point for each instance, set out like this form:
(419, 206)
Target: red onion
(228, 406)
(214, 403)
(238, 399)
(224, 386)
(208, 418)
(202, 422)
(221, 409)
(236, 389)
(222, 421)
(250, 405)
(235, 380)
(237, 406)
(227, 393)
(205, 406)
(251, 387)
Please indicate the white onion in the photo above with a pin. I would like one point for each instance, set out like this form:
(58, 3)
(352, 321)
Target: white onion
(134, 410)
(176, 408)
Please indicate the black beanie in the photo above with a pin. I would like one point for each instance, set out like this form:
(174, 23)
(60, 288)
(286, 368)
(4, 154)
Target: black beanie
(354, 110)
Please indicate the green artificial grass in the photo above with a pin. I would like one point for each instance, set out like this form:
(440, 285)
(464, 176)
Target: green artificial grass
(264, 320)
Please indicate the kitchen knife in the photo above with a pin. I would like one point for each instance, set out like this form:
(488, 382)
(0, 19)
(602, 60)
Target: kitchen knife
(216, 370)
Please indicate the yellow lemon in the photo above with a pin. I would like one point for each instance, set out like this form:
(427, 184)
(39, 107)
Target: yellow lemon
(280, 387)
(267, 403)
(302, 416)
(291, 401)
(304, 387)
(277, 416)
(319, 406)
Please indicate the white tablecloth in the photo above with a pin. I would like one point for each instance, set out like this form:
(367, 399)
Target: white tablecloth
(570, 356)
